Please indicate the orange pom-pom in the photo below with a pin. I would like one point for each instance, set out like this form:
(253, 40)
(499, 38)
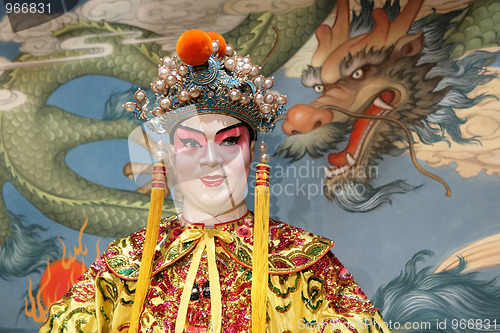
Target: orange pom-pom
(222, 43)
(194, 47)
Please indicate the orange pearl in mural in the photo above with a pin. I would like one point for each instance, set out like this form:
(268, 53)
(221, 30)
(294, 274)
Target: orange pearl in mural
(59, 276)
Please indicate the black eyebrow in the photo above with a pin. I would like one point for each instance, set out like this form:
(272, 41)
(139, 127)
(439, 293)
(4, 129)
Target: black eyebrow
(229, 128)
(187, 128)
(201, 132)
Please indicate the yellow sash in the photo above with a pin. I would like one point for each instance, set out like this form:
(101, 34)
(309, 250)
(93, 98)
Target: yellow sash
(207, 241)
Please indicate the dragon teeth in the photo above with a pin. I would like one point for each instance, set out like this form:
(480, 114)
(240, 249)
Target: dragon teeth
(350, 160)
(330, 173)
(382, 104)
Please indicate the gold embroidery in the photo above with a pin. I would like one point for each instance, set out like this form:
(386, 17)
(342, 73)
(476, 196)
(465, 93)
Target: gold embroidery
(284, 258)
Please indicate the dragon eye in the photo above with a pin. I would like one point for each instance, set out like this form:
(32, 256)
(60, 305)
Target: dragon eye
(318, 88)
(358, 74)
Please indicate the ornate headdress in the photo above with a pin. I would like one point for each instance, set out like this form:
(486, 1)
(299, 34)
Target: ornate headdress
(207, 77)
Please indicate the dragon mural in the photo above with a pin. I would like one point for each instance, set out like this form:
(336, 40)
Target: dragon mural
(386, 81)
(382, 78)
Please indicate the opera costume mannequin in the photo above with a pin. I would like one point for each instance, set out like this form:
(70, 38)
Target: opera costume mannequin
(201, 277)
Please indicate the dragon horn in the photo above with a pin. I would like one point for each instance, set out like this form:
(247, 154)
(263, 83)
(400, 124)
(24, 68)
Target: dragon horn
(380, 33)
(401, 25)
(330, 38)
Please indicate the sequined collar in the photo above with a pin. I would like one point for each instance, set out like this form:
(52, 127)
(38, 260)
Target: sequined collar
(185, 222)
(291, 249)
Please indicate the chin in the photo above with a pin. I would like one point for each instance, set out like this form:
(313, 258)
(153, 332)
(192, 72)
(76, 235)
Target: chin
(215, 204)
(213, 200)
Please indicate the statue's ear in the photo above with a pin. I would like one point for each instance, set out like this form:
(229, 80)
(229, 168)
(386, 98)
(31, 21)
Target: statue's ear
(171, 159)
(408, 46)
(252, 150)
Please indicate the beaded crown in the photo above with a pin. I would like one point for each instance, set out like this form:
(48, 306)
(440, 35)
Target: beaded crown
(224, 84)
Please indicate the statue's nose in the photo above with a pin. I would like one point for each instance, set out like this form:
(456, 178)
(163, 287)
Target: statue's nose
(302, 118)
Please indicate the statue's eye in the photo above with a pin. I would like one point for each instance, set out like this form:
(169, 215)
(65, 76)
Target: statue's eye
(358, 74)
(190, 143)
(318, 88)
(230, 141)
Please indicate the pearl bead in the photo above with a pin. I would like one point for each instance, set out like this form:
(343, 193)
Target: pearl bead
(280, 99)
(246, 69)
(234, 95)
(262, 147)
(247, 60)
(183, 95)
(268, 83)
(157, 112)
(160, 85)
(194, 92)
(269, 98)
(264, 158)
(265, 108)
(182, 70)
(259, 98)
(168, 62)
(154, 88)
(165, 103)
(163, 72)
(230, 63)
(255, 71)
(215, 46)
(170, 80)
(129, 106)
(258, 81)
(245, 99)
(160, 155)
(229, 50)
(140, 95)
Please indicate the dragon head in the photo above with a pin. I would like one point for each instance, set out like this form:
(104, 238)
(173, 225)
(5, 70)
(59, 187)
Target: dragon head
(372, 89)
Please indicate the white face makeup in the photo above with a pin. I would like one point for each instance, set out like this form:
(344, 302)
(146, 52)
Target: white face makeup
(211, 156)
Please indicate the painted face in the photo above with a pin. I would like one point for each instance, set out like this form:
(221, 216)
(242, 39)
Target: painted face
(211, 159)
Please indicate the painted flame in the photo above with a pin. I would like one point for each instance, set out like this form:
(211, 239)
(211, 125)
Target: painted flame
(33, 305)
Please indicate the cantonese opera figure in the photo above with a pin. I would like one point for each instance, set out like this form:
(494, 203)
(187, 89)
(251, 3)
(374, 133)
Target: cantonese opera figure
(215, 266)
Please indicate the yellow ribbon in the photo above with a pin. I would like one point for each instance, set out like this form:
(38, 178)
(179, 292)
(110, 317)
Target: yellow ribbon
(207, 241)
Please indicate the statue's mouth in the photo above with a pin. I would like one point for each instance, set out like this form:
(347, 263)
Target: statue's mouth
(362, 130)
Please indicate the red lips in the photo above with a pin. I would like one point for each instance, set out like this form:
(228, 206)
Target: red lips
(212, 181)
